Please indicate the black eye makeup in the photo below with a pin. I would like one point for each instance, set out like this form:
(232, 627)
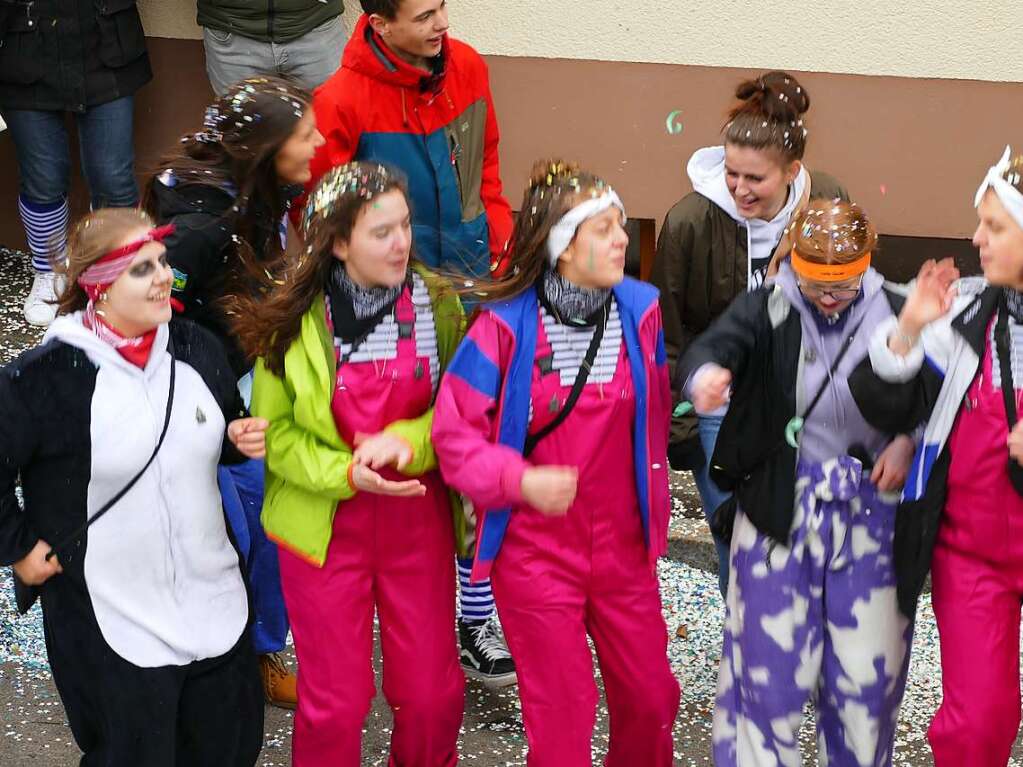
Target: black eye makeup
(147, 267)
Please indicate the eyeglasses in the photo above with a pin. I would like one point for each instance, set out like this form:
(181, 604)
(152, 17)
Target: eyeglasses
(816, 290)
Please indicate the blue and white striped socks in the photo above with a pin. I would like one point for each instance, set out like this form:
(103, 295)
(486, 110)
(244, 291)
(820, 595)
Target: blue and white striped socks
(476, 601)
(46, 228)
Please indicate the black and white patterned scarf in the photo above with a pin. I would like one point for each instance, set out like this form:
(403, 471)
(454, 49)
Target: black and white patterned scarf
(572, 304)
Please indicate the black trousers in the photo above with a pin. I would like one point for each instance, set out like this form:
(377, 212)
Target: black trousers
(205, 714)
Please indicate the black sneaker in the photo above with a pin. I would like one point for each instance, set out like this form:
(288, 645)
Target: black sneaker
(485, 655)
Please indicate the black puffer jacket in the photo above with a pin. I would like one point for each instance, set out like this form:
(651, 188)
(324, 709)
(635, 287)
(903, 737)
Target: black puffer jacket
(70, 54)
(201, 249)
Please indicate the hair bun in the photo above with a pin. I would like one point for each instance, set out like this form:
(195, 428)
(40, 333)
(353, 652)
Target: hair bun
(774, 95)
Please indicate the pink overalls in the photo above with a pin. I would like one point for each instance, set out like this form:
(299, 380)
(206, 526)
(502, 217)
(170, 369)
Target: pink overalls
(558, 579)
(977, 575)
(392, 554)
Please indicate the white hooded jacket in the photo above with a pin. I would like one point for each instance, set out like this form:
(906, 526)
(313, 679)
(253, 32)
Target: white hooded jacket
(707, 172)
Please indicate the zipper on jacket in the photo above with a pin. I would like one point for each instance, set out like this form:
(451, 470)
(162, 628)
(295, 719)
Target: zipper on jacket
(456, 154)
(270, 20)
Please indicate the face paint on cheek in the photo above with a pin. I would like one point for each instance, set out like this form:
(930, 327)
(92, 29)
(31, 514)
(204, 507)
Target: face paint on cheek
(591, 265)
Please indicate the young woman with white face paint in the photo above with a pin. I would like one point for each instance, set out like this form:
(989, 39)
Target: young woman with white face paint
(145, 609)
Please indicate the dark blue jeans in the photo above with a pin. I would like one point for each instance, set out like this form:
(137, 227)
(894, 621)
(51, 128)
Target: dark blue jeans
(105, 135)
(710, 493)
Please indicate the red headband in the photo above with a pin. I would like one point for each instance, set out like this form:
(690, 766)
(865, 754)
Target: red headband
(110, 265)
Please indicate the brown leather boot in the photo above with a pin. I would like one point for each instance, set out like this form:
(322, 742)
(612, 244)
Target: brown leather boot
(280, 686)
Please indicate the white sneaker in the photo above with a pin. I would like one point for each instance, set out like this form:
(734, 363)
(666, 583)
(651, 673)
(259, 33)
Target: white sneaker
(40, 306)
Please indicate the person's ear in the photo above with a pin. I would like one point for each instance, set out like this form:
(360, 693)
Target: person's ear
(340, 249)
(379, 24)
(792, 170)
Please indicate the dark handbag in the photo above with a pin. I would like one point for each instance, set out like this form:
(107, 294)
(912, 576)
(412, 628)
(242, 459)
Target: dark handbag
(25, 595)
(1008, 390)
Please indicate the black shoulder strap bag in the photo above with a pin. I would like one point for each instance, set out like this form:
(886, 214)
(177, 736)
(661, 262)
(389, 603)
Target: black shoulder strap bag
(533, 440)
(25, 595)
(1003, 346)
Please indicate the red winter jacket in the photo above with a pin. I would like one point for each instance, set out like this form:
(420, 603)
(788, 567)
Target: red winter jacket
(440, 129)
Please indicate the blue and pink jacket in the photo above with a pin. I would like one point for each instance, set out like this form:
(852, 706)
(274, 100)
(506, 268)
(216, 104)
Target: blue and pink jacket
(482, 414)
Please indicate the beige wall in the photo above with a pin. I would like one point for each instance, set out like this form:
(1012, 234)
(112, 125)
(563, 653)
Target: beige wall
(962, 39)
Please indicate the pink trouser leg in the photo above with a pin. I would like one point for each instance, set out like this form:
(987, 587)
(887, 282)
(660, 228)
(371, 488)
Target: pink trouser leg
(642, 692)
(331, 614)
(415, 594)
(554, 668)
(396, 555)
(977, 606)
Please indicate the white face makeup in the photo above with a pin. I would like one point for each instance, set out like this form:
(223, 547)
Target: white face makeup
(139, 299)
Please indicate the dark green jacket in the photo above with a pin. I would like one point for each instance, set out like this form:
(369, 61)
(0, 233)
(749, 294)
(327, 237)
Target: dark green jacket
(270, 21)
(699, 268)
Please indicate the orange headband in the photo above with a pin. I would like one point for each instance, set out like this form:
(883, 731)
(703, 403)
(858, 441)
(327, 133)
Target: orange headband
(829, 272)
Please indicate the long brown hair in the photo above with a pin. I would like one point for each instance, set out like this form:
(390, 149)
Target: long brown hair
(769, 115)
(832, 232)
(555, 187)
(242, 133)
(266, 324)
(93, 236)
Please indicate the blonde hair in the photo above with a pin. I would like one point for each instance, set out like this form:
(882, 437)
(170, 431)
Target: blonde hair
(92, 237)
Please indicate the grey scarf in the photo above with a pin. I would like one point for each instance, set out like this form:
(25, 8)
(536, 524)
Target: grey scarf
(574, 305)
(366, 302)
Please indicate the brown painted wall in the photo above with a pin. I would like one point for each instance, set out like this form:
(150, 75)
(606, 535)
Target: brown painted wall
(927, 141)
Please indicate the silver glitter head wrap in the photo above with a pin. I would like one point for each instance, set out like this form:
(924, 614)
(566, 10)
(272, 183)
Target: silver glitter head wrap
(1008, 194)
(360, 179)
(233, 117)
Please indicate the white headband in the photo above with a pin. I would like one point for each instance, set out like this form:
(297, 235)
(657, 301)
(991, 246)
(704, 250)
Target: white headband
(561, 235)
(1010, 196)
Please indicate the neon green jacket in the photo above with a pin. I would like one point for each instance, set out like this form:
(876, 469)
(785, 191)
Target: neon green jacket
(306, 460)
